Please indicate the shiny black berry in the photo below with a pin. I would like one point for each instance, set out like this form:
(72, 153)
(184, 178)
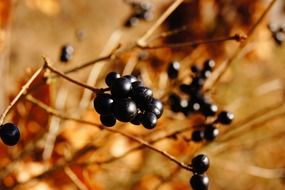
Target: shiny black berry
(225, 117)
(121, 87)
(200, 164)
(103, 104)
(153, 109)
(158, 104)
(112, 76)
(108, 120)
(132, 78)
(9, 134)
(148, 120)
(66, 53)
(197, 136)
(142, 95)
(211, 133)
(279, 37)
(209, 109)
(199, 182)
(136, 84)
(197, 83)
(195, 69)
(137, 119)
(132, 21)
(209, 65)
(125, 109)
(173, 69)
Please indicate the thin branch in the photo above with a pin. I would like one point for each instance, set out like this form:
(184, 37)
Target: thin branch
(54, 70)
(22, 92)
(225, 65)
(143, 40)
(75, 179)
(138, 140)
(236, 37)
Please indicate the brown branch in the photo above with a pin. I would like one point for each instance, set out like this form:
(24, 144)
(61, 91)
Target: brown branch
(22, 92)
(61, 74)
(236, 37)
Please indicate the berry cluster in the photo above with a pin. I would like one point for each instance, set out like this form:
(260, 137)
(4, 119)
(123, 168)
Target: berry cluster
(140, 11)
(278, 33)
(209, 131)
(199, 166)
(196, 102)
(66, 53)
(9, 134)
(129, 101)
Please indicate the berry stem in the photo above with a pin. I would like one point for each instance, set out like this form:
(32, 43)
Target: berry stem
(236, 37)
(223, 67)
(22, 92)
(138, 140)
(61, 74)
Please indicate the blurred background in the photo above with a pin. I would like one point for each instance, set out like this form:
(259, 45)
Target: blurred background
(63, 154)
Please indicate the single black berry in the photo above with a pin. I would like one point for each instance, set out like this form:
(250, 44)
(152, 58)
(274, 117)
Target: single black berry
(108, 120)
(9, 134)
(132, 21)
(200, 164)
(121, 87)
(197, 83)
(195, 69)
(173, 69)
(103, 104)
(137, 119)
(66, 53)
(174, 102)
(186, 88)
(132, 78)
(153, 109)
(209, 109)
(158, 104)
(199, 182)
(209, 65)
(142, 95)
(197, 135)
(211, 133)
(225, 117)
(148, 120)
(125, 109)
(279, 37)
(112, 76)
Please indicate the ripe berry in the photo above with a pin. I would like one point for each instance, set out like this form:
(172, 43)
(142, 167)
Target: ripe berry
(108, 120)
(125, 109)
(158, 104)
(211, 133)
(279, 37)
(66, 53)
(112, 76)
(197, 83)
(121, 87)
(209, 109)
(103, 104)
(149, 120)
(195, 69)
(173, 69)
(153, 109)
(197, 135)
(225, 117)
(209, 65)
(9, 134)
(142, 95)
(174, 101)
(132, 78)
(132, 21)
(199, 182)
(200, 164)
(137, 119)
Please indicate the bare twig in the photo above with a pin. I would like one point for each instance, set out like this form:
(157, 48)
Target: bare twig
(22, 92)
(223, 67)
(54, 70)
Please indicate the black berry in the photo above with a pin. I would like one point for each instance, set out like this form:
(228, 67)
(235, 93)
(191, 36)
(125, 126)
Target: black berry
(279, 37)
(149, 120)
(112, 76)
(121, 87)
(173, 69)
(9, 134)
(103, 104)
(211, 133)
(209, 109)
(125, 109)
(225, 117)
(66, 53)
(209, 65)
(197, 135)
(154, 109)
(132, 78)
(195, 69)
(142, 95)
(132, 21)
(108, 120)
(200, 164)
(199, 182)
